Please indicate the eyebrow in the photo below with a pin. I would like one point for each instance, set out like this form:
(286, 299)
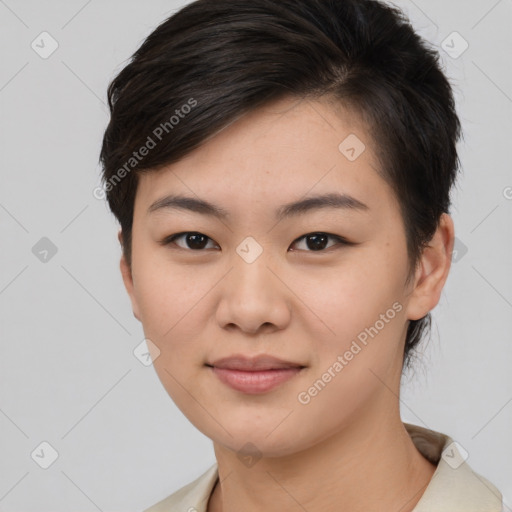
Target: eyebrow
(331, 200)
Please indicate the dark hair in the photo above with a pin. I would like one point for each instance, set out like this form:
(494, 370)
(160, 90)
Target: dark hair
(216, 60)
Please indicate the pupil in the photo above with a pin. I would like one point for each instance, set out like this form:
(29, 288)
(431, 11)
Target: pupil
(314, 242)
(196, 241)
(319, 241)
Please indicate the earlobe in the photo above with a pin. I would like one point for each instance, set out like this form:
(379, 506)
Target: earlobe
(126, 273)
(432, 272)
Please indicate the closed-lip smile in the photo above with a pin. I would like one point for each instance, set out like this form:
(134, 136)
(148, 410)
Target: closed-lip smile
(254, 375)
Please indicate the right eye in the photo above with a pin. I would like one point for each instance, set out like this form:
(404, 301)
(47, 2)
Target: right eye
(193, 240)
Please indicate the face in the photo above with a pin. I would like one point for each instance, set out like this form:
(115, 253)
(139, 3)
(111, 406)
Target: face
(318, 286)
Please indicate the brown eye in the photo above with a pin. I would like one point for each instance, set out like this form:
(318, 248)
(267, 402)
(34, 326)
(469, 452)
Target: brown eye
(192, 241)
(317, 242)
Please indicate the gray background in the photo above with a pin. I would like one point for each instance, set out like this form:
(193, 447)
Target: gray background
(68, 375)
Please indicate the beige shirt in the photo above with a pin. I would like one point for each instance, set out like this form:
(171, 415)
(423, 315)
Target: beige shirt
(454, 486)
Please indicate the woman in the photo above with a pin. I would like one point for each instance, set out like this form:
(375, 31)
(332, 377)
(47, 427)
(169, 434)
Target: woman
(281, 172)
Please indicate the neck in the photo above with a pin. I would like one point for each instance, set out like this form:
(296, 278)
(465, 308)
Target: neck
(371, 464)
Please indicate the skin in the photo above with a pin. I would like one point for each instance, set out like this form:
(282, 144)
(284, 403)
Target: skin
(347, 447)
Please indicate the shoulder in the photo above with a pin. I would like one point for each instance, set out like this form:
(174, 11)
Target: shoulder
(193, 497)
(454, 487)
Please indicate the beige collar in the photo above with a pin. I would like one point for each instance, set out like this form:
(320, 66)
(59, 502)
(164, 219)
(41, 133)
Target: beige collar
(454, 486)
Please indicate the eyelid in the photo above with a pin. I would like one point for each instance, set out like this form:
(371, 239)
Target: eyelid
(341, 241)
(168, 240)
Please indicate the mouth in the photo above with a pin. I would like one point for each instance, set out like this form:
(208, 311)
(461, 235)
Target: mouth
(254, 375)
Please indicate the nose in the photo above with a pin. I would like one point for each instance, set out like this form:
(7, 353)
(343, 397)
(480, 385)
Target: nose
(253, 298)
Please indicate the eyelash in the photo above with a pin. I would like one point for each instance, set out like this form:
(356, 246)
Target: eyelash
(170, 240)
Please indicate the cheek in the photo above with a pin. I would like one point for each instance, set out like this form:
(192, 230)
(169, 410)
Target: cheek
(168, 294)
(352, 364)
(172, 306)
(353, 298)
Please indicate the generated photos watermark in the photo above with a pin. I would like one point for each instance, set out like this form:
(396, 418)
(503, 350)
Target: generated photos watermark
(157, 135)
(357, 345)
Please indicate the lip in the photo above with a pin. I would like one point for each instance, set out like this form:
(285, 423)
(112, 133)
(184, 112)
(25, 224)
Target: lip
(254, 375)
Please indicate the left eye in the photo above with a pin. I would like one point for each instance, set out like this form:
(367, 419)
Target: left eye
(314, 242)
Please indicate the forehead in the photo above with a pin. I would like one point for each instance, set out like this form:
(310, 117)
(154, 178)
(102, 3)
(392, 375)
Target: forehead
(286, 150)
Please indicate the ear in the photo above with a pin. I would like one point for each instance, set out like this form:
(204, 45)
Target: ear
(432, 270)
(126, 272)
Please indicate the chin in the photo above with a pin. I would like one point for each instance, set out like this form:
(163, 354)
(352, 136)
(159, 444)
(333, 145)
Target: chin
(259, 446)
(265, 440)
